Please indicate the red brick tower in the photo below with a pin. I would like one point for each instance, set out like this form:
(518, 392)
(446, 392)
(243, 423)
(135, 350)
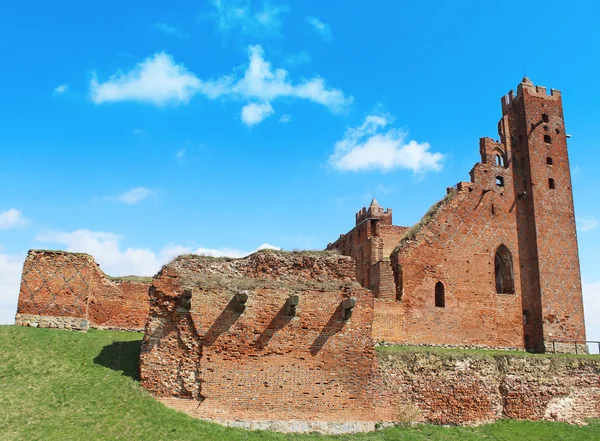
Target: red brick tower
(533, 130)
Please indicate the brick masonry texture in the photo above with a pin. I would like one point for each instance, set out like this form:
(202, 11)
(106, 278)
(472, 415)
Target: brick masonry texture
(262, 363)
(445, 388)
(69, 291)
(519, 206)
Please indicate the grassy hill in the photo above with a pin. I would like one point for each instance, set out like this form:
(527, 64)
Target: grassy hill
(58, 385)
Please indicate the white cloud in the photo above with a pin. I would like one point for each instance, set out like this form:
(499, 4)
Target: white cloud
(254, 113)
(116, 261)
(169, 30)
(132, 196)
(372, 146)
(591, 305)
(157, 80)
(60, 89)
(321, 28)
(11, 266)
(285, 119)
(180, 155)
(238, 16)
(11, 218)
(587, 223)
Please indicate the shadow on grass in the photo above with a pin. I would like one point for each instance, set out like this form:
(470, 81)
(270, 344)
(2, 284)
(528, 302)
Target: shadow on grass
(121, 356)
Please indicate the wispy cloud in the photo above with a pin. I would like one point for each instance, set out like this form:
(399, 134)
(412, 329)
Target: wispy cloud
(241, 17)
(254, 113)
(180, 155)
(160, 81)
(10, 278)
(140, 132)
(372, 146)
(321, 28)
(167, 29)
(301, 57)
(285, 119)
(587, 223)
(11, 218)
(60, 89)
(133, 196)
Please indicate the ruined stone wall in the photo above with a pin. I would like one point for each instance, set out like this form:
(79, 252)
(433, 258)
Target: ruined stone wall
(446, 388)
(68, 290)
(262, 363)
(455, 245)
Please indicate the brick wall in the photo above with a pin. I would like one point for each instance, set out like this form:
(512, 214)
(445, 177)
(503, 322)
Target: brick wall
(68, 290)
(445, 388)
(262, 363)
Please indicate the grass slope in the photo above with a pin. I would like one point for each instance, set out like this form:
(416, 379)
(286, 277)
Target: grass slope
(58, 385)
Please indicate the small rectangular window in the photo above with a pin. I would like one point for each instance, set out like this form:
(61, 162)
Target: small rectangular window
(549, 160)
(545, 118)
(551, 184)
(547, 139)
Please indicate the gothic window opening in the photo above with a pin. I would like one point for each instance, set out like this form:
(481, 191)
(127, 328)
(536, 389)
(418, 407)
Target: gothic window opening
(499, 181)
(503, 266)
(440, 296)
(499, 160)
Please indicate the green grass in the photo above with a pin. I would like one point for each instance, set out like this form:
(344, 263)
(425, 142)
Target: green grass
(59, 385)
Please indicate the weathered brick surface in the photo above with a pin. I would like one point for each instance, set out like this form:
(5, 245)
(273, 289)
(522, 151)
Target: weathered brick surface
(262, 363)
(475, 389)
(68, 290)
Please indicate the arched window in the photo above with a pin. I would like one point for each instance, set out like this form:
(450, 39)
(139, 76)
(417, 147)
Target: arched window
(499, 181)
(440, 296)
(551, 184)
(505, 276)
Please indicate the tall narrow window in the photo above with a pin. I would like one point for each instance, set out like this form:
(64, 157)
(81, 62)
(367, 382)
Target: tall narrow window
(499, 160)
(549, 160)
(505, 276)
(551, 184)
(398, 279)
(545, 118)
(440, 296)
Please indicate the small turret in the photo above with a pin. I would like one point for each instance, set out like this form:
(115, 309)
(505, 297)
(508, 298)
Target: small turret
(375, 211)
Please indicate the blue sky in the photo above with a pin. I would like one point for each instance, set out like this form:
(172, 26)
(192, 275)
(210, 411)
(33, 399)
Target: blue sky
(135, 131)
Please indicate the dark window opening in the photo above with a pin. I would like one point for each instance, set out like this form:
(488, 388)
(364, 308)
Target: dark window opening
(440, 298)
(557, 131)
(493, 211)
(505, 276)
(374, 227)
(398, 279)
(551, 184)
(549, 160)
(547, 139)
(545, 128)
(545, 118)
(499, 181)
